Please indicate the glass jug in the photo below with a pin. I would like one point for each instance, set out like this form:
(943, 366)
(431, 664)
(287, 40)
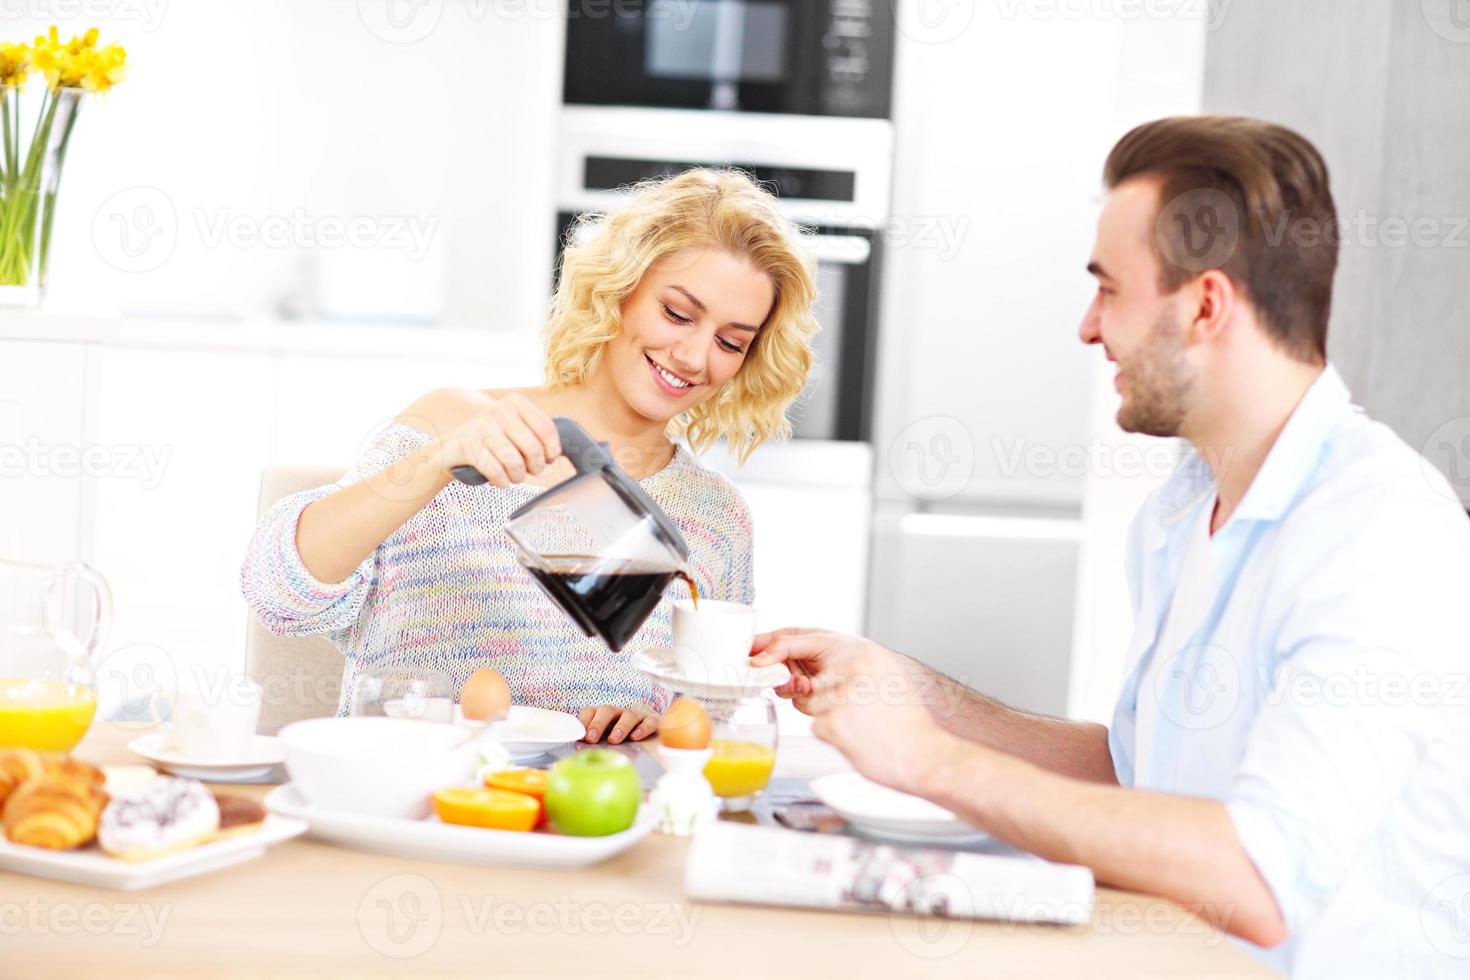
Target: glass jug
(54, 621)
(596, 543)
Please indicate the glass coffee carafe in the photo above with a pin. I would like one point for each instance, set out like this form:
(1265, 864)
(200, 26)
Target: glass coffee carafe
(596, 543)
(54, 621)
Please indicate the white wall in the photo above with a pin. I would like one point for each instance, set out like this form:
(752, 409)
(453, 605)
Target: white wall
(268, 112)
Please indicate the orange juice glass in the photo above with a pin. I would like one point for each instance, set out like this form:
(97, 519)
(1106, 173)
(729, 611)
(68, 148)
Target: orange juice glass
(41, 714)
(743, 750)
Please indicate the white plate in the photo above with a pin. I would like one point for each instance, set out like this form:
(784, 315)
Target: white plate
(90, 866)
(528, 732)
(878, 811)
(731, 684)
(265, 753)
(437, 841)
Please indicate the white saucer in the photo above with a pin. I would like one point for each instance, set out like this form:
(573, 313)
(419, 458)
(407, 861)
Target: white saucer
(729, 684)
(528, 732)
(264, 754)
(877, 811)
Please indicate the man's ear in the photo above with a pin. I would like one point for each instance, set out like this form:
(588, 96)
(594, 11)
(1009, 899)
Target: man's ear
(1214, 300)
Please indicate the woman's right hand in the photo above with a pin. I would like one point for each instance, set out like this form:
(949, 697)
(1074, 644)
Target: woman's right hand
(507, 440)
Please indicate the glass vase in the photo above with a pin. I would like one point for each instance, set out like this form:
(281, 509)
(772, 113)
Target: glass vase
(28, 182)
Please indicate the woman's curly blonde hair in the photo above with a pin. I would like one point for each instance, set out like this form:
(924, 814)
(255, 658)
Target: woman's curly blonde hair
(703, 207)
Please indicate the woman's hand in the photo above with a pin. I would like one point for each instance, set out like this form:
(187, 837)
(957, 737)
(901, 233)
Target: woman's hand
(507, 440)
(617, 724)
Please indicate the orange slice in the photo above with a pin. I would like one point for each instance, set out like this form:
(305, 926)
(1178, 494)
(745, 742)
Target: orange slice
(498, 809)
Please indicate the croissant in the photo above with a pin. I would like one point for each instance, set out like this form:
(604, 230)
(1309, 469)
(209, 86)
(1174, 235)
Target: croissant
(18, 766)
(56, 811)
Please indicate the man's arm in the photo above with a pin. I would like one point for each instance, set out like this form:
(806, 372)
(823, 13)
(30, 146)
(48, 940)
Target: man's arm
(1076, 749)
(1182, 848)
(1068, 748)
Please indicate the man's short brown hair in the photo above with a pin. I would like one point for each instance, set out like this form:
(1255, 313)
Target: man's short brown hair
(1251, 199)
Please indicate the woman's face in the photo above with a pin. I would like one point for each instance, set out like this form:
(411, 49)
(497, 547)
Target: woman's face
(686, 330)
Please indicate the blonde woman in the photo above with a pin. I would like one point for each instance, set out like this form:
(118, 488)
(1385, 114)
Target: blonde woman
(687, 315)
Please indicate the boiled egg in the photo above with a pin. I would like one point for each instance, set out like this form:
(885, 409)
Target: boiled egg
(684, 726)
(485, 696)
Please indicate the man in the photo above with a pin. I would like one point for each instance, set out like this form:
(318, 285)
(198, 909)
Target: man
(1290, 755)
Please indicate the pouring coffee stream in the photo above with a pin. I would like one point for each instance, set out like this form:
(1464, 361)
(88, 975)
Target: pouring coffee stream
(596, 543)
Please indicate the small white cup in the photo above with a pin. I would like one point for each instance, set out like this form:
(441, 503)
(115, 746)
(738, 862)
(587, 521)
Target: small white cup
(218, 722)
(713, 642)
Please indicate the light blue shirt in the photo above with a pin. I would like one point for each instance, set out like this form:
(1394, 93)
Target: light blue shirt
(1324, 695)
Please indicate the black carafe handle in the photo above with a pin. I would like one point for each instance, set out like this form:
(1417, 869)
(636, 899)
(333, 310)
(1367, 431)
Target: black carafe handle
(586, 454)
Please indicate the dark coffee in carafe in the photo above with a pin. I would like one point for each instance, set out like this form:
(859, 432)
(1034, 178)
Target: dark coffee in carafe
(607, 598)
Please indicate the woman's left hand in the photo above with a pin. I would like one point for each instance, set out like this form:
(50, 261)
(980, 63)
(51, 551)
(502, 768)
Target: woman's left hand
(617, 724)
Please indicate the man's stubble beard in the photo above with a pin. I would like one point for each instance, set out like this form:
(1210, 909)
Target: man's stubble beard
(1159, 382)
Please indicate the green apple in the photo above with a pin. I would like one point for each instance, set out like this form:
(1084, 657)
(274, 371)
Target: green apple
(592, 793)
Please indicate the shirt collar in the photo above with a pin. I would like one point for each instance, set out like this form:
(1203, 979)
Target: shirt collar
(1297, 450)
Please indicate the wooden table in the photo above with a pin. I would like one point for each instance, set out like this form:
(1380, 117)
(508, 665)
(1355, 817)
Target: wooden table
(308, 908)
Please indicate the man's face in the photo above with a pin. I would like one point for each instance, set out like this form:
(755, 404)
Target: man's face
(1139, 327)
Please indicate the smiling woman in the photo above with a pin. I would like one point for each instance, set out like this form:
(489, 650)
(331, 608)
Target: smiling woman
(686, 316)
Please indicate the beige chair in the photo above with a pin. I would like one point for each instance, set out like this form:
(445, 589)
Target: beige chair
(300, 676)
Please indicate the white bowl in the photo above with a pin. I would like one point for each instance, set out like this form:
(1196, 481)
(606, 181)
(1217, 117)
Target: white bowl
(381, 767)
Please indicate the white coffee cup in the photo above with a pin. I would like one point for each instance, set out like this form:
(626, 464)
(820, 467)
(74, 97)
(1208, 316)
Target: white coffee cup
(713, 642)
(216, 721)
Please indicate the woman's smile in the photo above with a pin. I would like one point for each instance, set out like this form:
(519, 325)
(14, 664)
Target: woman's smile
(667, 381)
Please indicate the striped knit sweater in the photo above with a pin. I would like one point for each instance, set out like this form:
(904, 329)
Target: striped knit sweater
(444, 591)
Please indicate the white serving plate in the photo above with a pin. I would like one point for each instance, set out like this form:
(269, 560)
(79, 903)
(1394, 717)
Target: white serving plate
(732, 684)
(878, 811)
(428, 838)
(527, 732)
(264, 754)
(90, 866)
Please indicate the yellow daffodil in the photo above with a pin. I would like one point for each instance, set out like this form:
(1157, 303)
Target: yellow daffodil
(15, 62)
(78, 62)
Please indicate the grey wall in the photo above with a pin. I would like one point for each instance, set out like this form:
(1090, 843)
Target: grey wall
(1383, 89)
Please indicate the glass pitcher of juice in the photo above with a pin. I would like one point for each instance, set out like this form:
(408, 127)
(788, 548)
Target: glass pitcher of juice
(54, 620)
(742, 749)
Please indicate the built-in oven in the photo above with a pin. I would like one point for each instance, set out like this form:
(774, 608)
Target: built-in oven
(830, 175)
(807, 57)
